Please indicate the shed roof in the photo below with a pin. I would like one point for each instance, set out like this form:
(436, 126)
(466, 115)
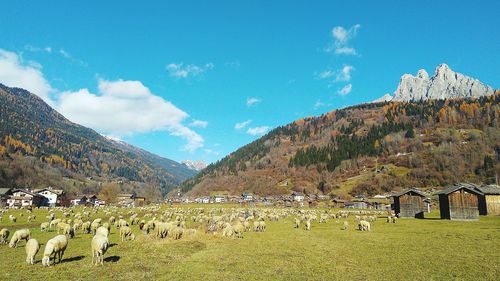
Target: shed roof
(491, 189)
(411, 190)
(5, 190)
(472, 188)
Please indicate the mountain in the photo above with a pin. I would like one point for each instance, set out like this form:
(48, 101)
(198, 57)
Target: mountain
(196, 165)
(37, 138)
(384, 98)
(366, 149)
(444, 84)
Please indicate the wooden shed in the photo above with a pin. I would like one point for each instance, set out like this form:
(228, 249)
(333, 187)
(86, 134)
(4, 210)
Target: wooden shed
(410, 203)
(489, 203)
(459, 202)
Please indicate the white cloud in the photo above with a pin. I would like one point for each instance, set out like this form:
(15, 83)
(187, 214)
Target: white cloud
(198, 124)
(32, 48)
(14, 72)
(239, 126)
(179, 70)
(341, 75)
(126, 108)
(253, 101)
(341, 38)
(344, 74)
(319, 104)
(345, 90)
(258, 130)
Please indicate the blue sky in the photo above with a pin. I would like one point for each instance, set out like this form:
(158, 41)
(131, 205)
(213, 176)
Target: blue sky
(177, 77)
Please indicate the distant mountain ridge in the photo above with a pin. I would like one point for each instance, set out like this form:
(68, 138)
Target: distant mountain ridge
(196, 165)
(31, 127)
(444, 84)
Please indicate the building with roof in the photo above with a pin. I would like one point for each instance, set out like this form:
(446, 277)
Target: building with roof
(460, 202)
(298, 196)
(54, 197)
(5, 192)
(489, 203)
(410, 203)
(25, 199)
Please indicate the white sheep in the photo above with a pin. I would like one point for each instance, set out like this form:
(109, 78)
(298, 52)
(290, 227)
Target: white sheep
(55, 247)
(364, 225)
(99, 246)
(4, 234)
(297, 223)
(126, 233)
(308, 225)
(32, 248)
(345, 226)
(21, 234)
(177, 232)
(102, 231)
(44, 226)
(12, 218)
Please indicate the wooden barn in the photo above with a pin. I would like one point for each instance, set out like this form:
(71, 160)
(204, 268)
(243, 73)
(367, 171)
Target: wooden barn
(410, 203)
(459, 202)
(489, 203)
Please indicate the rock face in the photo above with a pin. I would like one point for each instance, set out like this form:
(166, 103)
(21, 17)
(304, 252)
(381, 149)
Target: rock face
(384, 98)
(444, 84)
(196, 165)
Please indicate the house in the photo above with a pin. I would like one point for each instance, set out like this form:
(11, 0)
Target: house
(459, 202)
(247, 197)
(54, 197)
(5, 192)
(298, 196)
(489, 203)
(86, 200)
(379, 203)
(410, 203)
(130, 200)
(23, 198)
(220, 198)
(338, 203)
(361, 204)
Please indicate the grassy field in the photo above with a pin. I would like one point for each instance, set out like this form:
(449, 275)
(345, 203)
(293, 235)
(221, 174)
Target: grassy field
(411, 249)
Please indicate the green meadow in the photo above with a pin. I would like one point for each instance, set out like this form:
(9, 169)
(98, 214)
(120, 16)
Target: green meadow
(411, 249)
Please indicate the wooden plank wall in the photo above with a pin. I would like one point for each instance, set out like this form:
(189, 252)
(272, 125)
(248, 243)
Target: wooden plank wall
(493, 204)
(463, 205)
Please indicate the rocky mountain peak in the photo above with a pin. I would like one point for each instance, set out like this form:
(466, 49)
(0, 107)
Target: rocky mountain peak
(444, 84)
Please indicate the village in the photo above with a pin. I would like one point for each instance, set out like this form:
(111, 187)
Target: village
(462, 201)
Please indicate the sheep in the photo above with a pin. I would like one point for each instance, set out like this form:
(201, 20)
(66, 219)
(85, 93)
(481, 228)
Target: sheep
(297, 223)
(308, 225)
(69, 231)
(102, 231)
(12, 218)
(32, 248)
(162, 229)
(177, 232)
(44, 226)
(364, 225)
(86, 227)
(246, 224)
(238, 230)
(94, 226)
(4, 234)
(345, 226)
(228, 231)
(99, 246)
(126, 233)
(394, 219)
(54, 223)
(21, 234)
(111, 220)
(55, 247)
(29, 219)
(121, 223)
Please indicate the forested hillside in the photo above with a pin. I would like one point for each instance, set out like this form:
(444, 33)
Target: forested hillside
(367, 149)
(38, 146)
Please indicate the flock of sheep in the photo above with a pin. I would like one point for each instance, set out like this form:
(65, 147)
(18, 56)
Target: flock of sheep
(161, 223)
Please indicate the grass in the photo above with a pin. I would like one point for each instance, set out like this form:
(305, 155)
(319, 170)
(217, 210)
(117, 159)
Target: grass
(429, 249)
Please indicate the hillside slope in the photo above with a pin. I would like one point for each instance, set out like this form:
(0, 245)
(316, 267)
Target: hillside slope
(368, 149)
(31, 129)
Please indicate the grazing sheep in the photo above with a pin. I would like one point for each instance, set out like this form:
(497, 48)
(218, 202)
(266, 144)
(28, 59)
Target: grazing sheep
(55, 247)
(69, 231)
(388, 219)
(29, 219)
(297, 223)
(99, 246)
(364, 225)
(238, 230)
(102, 231)
(12, 218)
(126, 233)
(94, 226)
(4, 234)
(394, 219)
(246, 224)
(44, 226)
(21, 234)
(111, 220)
(177, 232)
(54, 223)
(86, 227)
(345, 226)
(228, 231)
(256, 226)
(32, 248)
(308, 225)
(121, 223)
